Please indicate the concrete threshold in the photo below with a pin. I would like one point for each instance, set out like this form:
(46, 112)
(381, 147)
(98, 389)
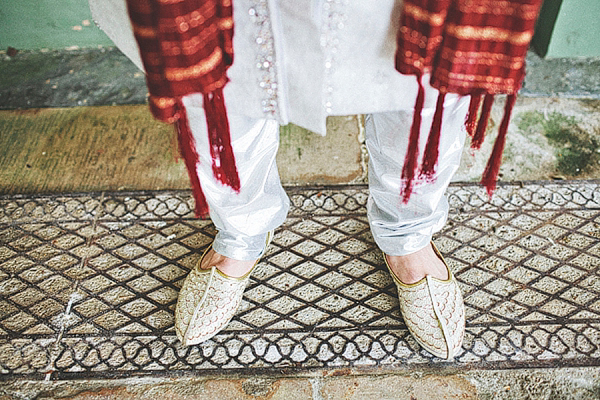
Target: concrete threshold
(109, 148)
(87, 149)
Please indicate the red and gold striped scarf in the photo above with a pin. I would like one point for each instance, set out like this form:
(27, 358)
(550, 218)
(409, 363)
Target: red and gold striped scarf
(470, 47)
(186, 47)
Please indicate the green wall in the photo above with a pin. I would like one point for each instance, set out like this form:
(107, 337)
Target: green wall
(37, 24)
(568, 28)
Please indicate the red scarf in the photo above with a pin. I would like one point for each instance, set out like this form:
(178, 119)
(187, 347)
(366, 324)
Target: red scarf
(186, 47)
(470, 47)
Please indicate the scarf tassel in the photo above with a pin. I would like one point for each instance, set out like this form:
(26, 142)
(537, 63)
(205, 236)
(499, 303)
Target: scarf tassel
(486, 110)
(187, 148)
(410, 162)
(430, 158)
(223, 166)
(471, 120)
(490, 174)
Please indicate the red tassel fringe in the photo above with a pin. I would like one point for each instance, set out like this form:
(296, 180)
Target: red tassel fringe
(471, 121)
(432, 150)
(224, 167)
(483, 121)
(410, 162)
(490, 175)
(475, 128)
(187, 148)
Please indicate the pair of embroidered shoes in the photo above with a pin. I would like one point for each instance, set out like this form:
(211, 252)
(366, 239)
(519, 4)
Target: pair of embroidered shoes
(433, 309)
(208, 300)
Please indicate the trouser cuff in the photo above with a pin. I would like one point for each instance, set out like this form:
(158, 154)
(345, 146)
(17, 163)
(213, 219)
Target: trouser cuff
(243, 248)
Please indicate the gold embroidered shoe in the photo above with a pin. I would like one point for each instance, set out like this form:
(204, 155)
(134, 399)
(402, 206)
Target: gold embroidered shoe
(208, 300)
(433, 311)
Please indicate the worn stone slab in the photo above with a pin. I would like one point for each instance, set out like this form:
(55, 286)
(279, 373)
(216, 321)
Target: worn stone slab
(87, 149)
(88, 284)
(84, 149)
(509, 384)
(124, 148)
(307, 158)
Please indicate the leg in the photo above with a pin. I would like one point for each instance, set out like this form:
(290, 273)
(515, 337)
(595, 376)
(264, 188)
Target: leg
(242, 219)
(213, 290)
(404, 231)
(429, 297)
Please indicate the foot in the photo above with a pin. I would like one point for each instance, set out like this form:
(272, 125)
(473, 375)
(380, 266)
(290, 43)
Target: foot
(413, 267)
(228, 266)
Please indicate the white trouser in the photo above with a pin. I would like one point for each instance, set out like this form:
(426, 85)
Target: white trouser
(243, 219)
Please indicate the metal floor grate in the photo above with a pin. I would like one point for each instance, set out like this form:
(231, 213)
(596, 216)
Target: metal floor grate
(88, 284)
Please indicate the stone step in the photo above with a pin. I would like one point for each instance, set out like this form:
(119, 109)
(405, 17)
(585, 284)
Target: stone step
(105, 148)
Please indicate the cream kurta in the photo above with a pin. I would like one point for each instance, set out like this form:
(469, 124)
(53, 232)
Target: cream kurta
(301, 60)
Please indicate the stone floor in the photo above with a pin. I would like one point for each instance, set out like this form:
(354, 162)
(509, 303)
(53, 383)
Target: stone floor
(88, 284)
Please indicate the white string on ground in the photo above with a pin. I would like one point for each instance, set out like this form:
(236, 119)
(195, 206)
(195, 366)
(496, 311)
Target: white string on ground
(74, 297)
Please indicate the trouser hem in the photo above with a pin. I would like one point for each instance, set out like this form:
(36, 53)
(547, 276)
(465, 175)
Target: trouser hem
(253, 247)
